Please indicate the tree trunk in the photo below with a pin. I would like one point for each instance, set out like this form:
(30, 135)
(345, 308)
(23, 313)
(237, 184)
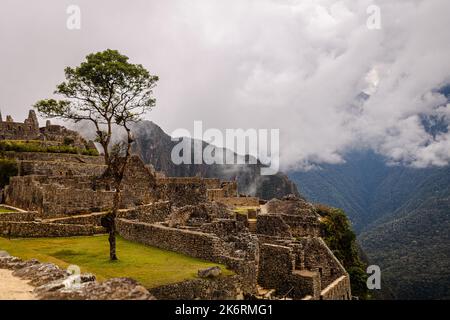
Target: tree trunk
(112, 242)
(105, 153)
(118, 175)
(112, 230)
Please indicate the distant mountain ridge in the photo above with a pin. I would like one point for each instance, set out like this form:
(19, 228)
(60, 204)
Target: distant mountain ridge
(155, 147)
(402, 216)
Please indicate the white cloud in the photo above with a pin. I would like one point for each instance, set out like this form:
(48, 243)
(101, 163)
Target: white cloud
(293, 65)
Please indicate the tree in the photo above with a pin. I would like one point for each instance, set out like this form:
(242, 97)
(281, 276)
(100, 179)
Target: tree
(110, 93)
(104, 87)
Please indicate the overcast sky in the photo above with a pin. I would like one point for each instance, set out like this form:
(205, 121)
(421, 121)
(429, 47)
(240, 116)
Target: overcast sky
(287, 64)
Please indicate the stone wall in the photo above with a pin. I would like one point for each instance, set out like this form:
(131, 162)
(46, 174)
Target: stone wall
(139, 184)
(230, 188)
(67, 201)
(319, 258)
(277, 271)
(182, 191)
(62, 135)
(275, 267)
(149, 213)
(59, 195)
(18, 216)
(57, 157)
(222, 227)
(223, 191)
(337, 290)
(299, 215)
(239, 201)
(192, 243)
(304, 283)
(222, 288)
(272, 225)
(301, 263)
(212, 183)
(56, 196)
(25, 193)
(215, 194)
(58, 168)
(93, 219)
(302, 226)
(27, 130)
(41, 229)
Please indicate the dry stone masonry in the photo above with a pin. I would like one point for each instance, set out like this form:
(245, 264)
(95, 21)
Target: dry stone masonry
(275, 249)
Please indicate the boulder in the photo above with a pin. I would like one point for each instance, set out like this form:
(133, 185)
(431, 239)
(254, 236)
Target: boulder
(212, 272)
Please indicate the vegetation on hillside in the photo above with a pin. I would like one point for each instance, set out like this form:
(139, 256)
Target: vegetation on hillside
(39, 146)
(412, 248)
(403, 218)
(338, 235)
(150, 266)
(4, 209)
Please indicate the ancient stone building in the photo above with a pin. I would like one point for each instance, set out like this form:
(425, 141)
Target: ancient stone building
(52, 134)
(275, 249)
(27, 130)
(269, 258)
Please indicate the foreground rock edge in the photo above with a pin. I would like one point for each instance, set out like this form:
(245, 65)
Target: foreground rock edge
(50, 282)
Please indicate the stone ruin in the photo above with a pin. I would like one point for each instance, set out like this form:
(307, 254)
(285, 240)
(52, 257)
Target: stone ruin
(274, 248)
(50, 134)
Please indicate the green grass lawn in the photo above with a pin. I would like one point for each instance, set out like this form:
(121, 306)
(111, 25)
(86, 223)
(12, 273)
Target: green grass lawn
(244, 210)
(6, 210)
(150, 266)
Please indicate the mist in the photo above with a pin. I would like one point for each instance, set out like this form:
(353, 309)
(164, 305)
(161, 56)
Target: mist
(297, 66)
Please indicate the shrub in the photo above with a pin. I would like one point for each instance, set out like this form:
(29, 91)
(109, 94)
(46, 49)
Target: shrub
(39, 146)
(68, 141)
(341, 239)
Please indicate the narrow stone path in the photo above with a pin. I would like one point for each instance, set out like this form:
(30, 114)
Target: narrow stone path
(13, 288)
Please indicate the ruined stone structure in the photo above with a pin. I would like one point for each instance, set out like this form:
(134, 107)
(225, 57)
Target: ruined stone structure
(273, 248)
(297, 267)
(30, 130)
(27, 130)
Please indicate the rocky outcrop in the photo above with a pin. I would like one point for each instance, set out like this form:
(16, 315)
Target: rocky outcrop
(212, 272)
(54, 283)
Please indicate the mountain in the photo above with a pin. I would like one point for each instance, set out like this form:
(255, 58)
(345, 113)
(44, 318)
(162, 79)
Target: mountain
(401, 215)
(155, 147)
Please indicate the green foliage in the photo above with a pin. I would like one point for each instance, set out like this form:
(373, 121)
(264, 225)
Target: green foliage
(338, 235)
(90, 152)
(8, 168)
(68, 141)
(38, 146)
(4, 209)
(105, 90)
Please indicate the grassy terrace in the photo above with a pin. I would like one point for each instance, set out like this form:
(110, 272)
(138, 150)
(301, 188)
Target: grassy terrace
(243, 210)
(5, 209)
(40, 146)
(150, 266)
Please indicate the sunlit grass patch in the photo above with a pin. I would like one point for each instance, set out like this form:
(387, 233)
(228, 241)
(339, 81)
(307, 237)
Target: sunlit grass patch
(150, 266)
